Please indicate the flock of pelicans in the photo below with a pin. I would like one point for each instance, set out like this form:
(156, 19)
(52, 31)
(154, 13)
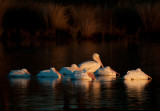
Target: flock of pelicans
(86, 70)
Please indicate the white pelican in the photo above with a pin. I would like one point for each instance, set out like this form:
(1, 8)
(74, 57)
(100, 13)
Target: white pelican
(136, 74)
(19, 73)
(92, 66)
(52, 72)
(82, 75)
(107, 71)
(69, 70)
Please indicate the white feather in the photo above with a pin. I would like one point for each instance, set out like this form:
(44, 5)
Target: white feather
(19, 73)
(136, 74)
(107, 71)
(80, 75)
(48, 73)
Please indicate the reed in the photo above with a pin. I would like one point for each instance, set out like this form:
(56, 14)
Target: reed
(52, 20)
(55, 18)
(150, 15)
(84, 19)
(4, 5)
(104, 15)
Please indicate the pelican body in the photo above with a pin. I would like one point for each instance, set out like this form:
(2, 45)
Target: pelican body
(107, 71)
(49, 73)
(81, 75)
(136, 75)
(23, 73)
(69, 70)
(92, 66)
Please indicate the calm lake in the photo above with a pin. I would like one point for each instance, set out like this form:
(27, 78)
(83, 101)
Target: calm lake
(65, 94)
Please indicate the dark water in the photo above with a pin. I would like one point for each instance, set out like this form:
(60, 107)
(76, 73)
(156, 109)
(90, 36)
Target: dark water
(65, 94)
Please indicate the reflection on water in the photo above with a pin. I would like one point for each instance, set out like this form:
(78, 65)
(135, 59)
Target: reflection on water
(106, 92)
(136, 91)
(82, 85)
(136, 85)
(19, 82)
(49, 81)
(107, 80)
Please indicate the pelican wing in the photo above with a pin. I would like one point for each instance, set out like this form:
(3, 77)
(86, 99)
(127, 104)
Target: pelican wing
(66, 70)
(88, 65)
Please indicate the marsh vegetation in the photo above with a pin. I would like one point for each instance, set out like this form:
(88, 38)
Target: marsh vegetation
(22, 20)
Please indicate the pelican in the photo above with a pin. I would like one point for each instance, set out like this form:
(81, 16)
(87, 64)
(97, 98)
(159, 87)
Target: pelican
(82, 75)
(69, 70)
(136, 74)
(52, 72)
(19, 73)
(92, 66)
(107, 71)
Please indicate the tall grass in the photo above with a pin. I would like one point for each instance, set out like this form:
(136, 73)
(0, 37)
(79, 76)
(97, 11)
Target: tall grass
(104, 16)
(55, 18)
(4, 5)
(52, 20)
(150, 15)
(84, 23)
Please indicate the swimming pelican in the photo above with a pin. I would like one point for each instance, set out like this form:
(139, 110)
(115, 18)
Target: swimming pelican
(19, 73)
(136, 74)
(92, 66)
(69, 70)
(82, 75)
(52, 72)
(107, 71)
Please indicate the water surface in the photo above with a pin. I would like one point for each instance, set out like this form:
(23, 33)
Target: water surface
(65, 94)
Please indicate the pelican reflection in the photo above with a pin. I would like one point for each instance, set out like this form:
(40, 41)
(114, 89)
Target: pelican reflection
(19, 82)
(136, 88)
(107, 81)
(49, 81)
(82, 85)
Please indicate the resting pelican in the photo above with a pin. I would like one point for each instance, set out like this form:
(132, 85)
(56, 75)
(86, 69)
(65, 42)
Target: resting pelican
(19, 73)
(92, 66)
(107, 71)
(69, 70)
(136, 74)
(52, 72)
(82, 75)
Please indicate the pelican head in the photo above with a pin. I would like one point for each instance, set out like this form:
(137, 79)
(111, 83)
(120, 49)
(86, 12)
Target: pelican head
(25, 70)
(97, 59)
(108, 68)
(138, 69)
(74, 65)
(53, 69)
(95, 56)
